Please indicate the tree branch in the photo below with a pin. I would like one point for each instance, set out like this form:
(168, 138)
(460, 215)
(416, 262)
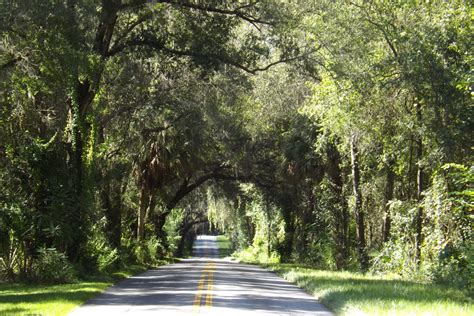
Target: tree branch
(232, 12)
(160, 46)
(10, 63)
(187, 188)
(379, 27)
(128, 30)
(385, 36)
(106, 26)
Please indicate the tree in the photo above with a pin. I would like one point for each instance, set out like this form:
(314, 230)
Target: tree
(322, 129)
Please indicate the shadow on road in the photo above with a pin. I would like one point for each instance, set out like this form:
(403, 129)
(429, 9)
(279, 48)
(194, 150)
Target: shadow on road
(235, 288)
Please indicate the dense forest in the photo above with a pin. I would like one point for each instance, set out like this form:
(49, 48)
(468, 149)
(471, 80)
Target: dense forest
(338, 134)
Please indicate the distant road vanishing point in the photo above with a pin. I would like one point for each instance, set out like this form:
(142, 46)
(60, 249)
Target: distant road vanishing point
(206, 285)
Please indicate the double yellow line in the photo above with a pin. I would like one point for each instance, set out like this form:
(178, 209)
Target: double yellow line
(207, 274)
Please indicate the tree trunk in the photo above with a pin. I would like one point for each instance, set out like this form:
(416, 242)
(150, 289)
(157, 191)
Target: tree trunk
(160, 233)
(79, 105)
(110, 198)
(144, 202)
(111, 201)
(340, 210)
(78, 219)
(359, 214)
(388, 195)
(151, 206)
(419, 189)
(287, 248)
(147, 206)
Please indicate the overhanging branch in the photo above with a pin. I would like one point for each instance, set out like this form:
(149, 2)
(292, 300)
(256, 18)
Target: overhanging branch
(237, 12)
(160, 46)
(187, 187)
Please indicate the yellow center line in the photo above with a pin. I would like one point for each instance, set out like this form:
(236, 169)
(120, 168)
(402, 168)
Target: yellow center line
(209, 290)
(207, 273)
(197, 299)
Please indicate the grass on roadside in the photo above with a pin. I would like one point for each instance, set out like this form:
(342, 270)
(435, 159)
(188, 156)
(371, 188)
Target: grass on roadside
(349, 293)
(59, 299)
(225, 246)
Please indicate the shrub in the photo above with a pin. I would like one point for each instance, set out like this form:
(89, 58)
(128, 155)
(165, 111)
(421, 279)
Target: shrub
(101, 256)
(52, 266)
(140, 254)
(447, 250)
(153, 248)
(148, 251)
(448, 205)
(107, 259)
(454, 267)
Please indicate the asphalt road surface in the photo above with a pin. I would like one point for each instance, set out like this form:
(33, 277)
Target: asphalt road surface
(206, 285)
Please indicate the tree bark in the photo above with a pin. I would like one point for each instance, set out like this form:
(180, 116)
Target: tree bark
(287, 248)
(146, 208)
(359, 214)
(151, 206)
(269, 226)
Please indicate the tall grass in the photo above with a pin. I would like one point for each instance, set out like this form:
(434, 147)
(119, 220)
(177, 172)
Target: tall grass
(349, 293)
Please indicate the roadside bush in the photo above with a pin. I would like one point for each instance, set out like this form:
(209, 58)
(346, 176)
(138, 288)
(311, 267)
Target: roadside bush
(52, 266)
(455, 268)
(256, 254)
(449, 204)
(397, 255)
(153, 247)
(148, 251)
(171, 228)
(101, 256)
(447, 251)
(107, 259)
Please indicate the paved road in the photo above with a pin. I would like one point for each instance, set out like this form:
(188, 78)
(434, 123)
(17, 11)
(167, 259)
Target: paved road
(204, 284)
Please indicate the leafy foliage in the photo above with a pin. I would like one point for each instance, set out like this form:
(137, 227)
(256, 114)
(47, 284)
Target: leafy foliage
(319, 132)
(53, 267)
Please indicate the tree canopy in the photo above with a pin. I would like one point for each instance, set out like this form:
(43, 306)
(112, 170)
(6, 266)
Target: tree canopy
(334, 133)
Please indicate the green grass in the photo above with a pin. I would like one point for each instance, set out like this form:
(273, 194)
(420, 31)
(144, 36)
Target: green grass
(351, 293)
(348, 293)
(37, 299)
(225, 246)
